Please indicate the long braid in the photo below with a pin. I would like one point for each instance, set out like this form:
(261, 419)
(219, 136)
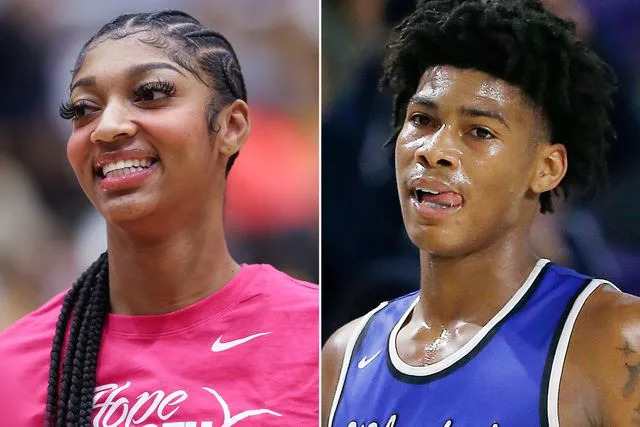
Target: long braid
(88, 381)
(200, 51)
(80, 361)
(79, 312)
(56, 348)
(79, 356)
(75, 301)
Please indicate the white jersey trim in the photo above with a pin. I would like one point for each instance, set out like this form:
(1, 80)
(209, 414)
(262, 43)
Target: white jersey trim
(448, 361)
(348, 354)
(561, 351)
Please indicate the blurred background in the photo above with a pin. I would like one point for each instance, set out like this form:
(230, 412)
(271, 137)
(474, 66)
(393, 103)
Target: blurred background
(49, 233)
(366, 256)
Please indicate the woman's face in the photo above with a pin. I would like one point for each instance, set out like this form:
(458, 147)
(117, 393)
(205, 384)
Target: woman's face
(140, 145)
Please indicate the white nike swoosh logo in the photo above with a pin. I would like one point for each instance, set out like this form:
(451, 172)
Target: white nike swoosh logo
(364, 362)
(222, 346)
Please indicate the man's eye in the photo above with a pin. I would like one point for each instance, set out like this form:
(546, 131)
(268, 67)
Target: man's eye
(482, 133)
(421, 120)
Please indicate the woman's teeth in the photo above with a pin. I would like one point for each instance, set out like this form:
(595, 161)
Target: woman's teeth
(123, 167)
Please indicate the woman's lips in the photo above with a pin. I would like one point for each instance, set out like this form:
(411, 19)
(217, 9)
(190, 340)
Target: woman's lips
(130, 179)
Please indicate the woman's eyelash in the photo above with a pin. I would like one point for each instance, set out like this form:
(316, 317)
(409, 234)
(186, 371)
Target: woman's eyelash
(69, 111)
(66, 110)
(146, 89)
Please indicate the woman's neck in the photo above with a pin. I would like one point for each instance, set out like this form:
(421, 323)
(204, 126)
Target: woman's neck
(148, 276)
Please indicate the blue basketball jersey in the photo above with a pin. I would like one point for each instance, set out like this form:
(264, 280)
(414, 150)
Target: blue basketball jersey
(508, 374)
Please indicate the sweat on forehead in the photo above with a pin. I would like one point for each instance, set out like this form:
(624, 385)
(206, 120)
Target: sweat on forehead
(491, 87)
(474, 85)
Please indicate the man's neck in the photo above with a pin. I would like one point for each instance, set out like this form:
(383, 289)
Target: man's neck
(473, 288)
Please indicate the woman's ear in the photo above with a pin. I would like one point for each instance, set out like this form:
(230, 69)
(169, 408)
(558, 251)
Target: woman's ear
(234, 126)
(551, 167)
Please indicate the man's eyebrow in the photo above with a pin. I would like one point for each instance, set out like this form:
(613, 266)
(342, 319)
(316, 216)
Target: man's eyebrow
(423, 100)
(479, 112)
(465, 111)
(136, 69)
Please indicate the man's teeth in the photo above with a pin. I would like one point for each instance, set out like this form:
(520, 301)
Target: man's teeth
(437, 206)
(122, 167)
(426, 190)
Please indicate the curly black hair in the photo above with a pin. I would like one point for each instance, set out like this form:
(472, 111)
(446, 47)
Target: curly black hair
(522, 43)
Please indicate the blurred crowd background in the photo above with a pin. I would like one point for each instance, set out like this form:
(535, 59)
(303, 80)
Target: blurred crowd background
(366, 255)
(49, 233)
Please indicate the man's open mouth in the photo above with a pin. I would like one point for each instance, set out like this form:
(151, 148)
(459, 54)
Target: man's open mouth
(436, 199)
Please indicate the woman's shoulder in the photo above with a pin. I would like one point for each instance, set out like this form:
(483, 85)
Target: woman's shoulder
(25, 349)
(32, 330)
(270, 277)
(281, 289)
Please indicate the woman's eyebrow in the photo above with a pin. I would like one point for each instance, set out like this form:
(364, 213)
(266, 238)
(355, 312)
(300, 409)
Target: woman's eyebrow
(133, 70)
(143, 68)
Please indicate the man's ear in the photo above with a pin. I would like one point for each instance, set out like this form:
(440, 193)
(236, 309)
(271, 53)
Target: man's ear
(234, 126)
(550, 167)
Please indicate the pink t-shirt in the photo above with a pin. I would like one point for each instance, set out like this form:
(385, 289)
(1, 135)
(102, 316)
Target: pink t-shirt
(246, 355)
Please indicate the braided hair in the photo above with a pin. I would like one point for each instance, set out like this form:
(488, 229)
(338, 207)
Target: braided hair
(525, 45)
(208, 56)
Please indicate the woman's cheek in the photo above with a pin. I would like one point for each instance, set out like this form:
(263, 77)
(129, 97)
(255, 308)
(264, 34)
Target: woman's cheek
(78, 153)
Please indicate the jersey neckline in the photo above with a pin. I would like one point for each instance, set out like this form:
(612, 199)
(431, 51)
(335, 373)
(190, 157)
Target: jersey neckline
(452, 360)
(213, 305)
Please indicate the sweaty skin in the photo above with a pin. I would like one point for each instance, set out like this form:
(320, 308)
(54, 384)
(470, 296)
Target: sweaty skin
(482, 138)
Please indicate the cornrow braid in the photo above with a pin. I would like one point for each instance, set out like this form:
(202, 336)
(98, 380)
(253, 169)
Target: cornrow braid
(208, 56)
(220, 50)
(218, 59)
(76, 306)
(229, 70)
(523, 44)
(98, 314)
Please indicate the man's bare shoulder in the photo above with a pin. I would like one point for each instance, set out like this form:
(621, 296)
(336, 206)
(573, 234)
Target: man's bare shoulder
(332, 356)
(336, 345)
(602, 370)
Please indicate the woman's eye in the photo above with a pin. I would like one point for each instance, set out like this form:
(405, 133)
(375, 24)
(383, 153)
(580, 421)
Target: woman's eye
(482, 133)
(75, 110)
(151, 95)
(81, 109)
(154, 91)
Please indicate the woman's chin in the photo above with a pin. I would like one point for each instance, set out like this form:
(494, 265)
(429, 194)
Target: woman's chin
(127, 210)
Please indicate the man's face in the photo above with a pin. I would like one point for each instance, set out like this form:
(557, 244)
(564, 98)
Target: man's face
(465, 158)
